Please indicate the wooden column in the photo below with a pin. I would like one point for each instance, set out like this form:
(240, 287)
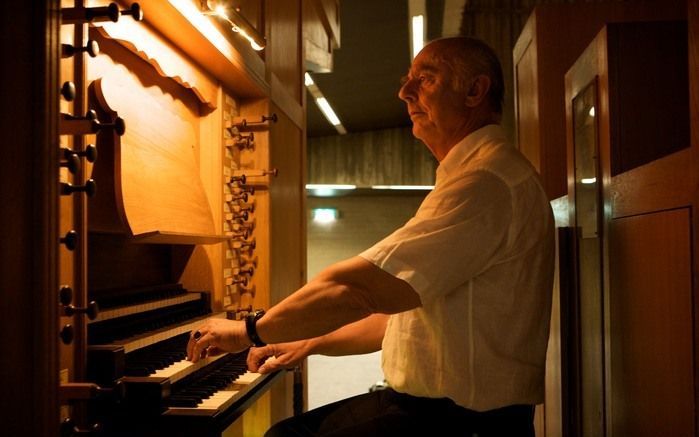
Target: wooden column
(29, 198)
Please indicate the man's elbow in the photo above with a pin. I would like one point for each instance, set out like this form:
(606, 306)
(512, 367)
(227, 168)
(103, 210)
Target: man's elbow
(391, 301)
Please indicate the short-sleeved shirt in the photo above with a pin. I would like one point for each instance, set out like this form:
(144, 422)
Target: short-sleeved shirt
(480, 253)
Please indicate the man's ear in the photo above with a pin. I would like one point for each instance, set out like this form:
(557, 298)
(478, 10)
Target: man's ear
(478, 90)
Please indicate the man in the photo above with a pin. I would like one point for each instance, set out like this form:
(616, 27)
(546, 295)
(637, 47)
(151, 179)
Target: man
(458, 299)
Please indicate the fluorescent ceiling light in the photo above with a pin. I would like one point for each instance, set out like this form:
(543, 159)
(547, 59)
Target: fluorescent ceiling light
(418, 33)
(402, 187)
(323, 104)
(588, 180)
(330, 187)
(329, 190)
(417, 11)
(328, 111)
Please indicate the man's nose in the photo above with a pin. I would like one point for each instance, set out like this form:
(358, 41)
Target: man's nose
(406, 91)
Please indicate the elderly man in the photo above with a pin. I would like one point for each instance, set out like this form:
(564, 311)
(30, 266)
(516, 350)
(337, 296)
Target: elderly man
(458, 299)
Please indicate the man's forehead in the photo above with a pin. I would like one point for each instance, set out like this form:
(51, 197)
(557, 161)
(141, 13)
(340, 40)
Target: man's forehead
(425, 64)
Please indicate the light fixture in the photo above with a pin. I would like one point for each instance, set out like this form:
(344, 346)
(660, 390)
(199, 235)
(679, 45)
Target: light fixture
(417, 12)
(329, 190)
(330, 186)
(328, 111)
(418, 30)
(308, 80)
(325, 215)
(402, 187)
(238, 23)
(588, 181)
(323, 104)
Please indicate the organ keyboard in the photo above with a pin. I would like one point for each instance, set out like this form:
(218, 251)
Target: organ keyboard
(139, 340)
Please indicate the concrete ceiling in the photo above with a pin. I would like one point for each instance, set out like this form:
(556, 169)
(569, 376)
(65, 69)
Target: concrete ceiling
(374, 55)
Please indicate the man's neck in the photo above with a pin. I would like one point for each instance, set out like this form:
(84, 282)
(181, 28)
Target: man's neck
(471, 125)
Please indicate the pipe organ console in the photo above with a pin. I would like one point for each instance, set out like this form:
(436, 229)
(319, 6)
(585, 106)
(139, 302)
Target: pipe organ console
(152, 243)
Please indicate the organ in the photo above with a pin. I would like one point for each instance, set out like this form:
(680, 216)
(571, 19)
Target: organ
(180, 186)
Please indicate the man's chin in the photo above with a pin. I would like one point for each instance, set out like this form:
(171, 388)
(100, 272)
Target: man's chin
(418, 131)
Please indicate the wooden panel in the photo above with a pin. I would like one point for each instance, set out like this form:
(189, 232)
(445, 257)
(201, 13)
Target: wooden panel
(659, 115)
(114, 262)
(646, 258)
(316, 44)
(526, 109)
(591, 336)
(329, 14)
(287, 229)
(157, 173)
(221, 52)
(287, 214)
(284, 57)
(287, 102)
(165, 58)
(569, 421)
(29, 198)
(559, 33)
(252, 11)
(664, 184)
(651, 353)
(693, 20)
(693, 30)
(321, 33)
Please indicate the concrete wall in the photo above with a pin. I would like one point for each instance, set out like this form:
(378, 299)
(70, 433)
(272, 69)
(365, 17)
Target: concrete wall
(364, 220)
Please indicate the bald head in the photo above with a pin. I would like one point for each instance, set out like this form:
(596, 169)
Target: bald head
(468, 57)
(453, 87)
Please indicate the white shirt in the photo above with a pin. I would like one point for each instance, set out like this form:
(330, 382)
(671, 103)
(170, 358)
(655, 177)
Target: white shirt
(480, 253)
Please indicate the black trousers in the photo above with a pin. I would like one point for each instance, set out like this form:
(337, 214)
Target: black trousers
(387, 413)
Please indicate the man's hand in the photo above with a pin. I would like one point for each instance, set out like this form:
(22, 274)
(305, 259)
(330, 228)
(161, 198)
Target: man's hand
(273, 357)
(215, 336)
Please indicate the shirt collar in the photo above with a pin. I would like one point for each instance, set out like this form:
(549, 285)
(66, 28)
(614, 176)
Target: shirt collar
(467, 146)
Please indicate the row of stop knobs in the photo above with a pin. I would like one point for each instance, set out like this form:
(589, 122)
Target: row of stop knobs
(78, 125)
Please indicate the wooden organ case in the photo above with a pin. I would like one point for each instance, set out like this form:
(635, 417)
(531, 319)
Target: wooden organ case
(624, 351)
(182, 156)
(632, 198)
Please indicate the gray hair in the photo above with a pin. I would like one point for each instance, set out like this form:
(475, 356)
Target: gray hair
(467, 57)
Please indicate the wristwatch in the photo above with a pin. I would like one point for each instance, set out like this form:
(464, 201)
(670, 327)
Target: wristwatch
(251, 328)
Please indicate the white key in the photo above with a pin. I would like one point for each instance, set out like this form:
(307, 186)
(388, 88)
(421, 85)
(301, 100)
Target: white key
(221, 399)
(247, 378)
(180, 369)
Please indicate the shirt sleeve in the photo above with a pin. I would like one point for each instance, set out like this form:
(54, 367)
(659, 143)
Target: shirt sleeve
(458, 231)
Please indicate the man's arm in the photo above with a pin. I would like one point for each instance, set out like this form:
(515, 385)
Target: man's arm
(360, 337)
(343, 293)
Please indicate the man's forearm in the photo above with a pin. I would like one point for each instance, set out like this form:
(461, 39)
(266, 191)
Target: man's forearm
(346, 292)
(361, 337)
(316, 309)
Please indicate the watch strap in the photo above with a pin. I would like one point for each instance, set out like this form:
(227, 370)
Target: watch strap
(251, 327)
